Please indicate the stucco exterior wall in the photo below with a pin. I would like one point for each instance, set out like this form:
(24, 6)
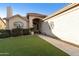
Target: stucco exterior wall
(31, 18)
(66, 26)
(2, 25)
(16, 19)
(46, 29)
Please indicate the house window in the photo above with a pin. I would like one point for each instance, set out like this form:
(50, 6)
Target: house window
(18, 24)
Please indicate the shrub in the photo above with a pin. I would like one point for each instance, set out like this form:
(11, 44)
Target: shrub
(26, 32)
(4, 33)
(16, 32)
(19, 31)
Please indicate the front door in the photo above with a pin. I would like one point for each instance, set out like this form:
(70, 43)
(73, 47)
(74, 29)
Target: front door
(36, 25)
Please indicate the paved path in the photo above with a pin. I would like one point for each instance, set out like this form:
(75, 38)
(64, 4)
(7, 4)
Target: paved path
(68, 48)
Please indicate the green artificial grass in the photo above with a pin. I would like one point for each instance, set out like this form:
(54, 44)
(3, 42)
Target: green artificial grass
(29, 45)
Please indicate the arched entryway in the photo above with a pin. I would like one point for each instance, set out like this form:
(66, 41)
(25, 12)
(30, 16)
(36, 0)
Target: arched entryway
(36, 25)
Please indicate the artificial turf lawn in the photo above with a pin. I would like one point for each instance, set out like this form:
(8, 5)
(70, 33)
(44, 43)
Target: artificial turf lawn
(29, 45)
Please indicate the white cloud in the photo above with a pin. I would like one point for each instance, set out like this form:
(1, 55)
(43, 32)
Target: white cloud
(2, 16)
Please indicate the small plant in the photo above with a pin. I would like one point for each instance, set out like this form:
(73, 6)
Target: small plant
(16, 31)
(4, 33)
(26, 32)
(19, 31)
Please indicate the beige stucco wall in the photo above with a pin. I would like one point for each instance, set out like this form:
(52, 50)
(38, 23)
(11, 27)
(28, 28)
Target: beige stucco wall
(66, 26)
(46, 29)
(31, 18)
(16, 19)
(2, 25)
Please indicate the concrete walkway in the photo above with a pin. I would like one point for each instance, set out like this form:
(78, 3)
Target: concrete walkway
(68, 48)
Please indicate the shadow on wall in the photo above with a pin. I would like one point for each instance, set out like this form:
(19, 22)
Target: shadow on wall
(46, 29)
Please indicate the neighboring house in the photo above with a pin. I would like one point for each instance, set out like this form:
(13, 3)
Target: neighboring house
(64, 24)
(16, 21)
(2, 24)
(31, 20)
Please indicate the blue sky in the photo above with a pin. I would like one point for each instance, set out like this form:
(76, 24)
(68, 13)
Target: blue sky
(24, 8)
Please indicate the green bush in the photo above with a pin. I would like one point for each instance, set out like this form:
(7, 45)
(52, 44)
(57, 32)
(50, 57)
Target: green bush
(4, 33)
(26, 32)
(19, 31)
(16, 32)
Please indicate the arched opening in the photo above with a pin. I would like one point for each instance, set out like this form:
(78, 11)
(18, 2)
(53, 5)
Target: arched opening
(36, 25)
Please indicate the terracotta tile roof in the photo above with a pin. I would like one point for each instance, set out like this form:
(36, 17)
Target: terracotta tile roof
(36, 14)
(24, 18)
